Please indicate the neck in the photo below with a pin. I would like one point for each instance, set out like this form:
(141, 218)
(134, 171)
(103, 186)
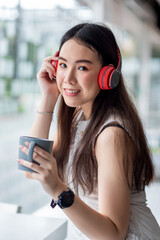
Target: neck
(86, 113)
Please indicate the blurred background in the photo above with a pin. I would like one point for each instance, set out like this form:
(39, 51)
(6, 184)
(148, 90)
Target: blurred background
(29, 32)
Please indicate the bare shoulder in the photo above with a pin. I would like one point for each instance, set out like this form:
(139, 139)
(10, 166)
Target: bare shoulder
(110, 133)
(114, 147)
(111, 138)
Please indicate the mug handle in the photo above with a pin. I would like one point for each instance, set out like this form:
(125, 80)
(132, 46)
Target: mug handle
(30, 152)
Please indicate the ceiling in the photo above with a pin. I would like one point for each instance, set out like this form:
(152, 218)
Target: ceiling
(146, 10)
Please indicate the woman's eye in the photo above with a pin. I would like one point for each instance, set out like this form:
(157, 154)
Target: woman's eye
(82, 68)
(63, 65)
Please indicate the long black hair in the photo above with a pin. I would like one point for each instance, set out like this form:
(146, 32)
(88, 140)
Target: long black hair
(116, 101)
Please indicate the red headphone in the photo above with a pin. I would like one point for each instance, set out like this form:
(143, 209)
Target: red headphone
(55, 63)
(108, 77)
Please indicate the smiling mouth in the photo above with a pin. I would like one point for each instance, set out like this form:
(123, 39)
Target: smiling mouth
(71, 90)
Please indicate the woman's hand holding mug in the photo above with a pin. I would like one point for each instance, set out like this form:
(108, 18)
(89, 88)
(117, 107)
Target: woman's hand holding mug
(43, 166)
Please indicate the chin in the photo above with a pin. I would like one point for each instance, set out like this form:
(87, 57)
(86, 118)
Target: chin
(71, 104)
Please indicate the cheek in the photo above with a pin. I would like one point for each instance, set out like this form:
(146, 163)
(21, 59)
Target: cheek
(59, 84)
(59, 79)
(91, 82)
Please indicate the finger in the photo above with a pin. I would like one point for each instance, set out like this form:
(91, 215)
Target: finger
(35, 167)
(37, 152)
(43, 153)
(50, 65)
(49, 70)
(50, 58)
(42, 161)
(23, 149)
(45, 162)
(35, 157)
(33, 175)
(27, 144)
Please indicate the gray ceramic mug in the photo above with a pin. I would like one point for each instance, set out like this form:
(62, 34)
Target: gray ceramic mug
(45, 144)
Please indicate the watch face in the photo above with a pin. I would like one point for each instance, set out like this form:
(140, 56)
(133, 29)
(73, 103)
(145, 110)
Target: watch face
(66, 199)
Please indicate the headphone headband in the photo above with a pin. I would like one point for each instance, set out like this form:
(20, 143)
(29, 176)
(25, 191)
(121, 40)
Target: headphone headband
(119, 66)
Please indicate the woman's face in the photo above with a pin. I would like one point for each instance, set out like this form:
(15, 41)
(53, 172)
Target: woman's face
(77, 75)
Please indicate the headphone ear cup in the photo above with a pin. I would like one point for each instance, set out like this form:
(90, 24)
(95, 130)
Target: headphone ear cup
(55, 64)
(105, 76)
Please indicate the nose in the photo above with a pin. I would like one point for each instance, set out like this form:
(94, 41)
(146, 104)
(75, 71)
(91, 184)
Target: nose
(70, 77)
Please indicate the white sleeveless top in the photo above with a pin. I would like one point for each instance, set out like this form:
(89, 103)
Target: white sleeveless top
(142, 224)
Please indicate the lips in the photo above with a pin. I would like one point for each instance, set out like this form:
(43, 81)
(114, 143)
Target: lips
(71, 92)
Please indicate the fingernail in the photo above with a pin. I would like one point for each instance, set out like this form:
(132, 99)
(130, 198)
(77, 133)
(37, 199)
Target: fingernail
(19, 160)
(27, 143)
(20, 146)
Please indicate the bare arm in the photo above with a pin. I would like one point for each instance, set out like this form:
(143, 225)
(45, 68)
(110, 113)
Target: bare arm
(42, 122)
(111, 220)
(49, 90)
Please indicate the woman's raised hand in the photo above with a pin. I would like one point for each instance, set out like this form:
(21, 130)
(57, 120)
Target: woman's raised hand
(45, 79)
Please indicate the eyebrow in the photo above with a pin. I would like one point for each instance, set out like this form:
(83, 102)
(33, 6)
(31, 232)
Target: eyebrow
(78, 61)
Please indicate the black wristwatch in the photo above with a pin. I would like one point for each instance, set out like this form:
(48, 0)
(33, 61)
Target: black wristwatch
(65, 199)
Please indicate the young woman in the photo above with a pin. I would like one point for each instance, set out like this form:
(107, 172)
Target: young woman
(100, 150)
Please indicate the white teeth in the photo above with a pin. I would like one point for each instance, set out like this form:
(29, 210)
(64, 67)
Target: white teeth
(72, 91)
